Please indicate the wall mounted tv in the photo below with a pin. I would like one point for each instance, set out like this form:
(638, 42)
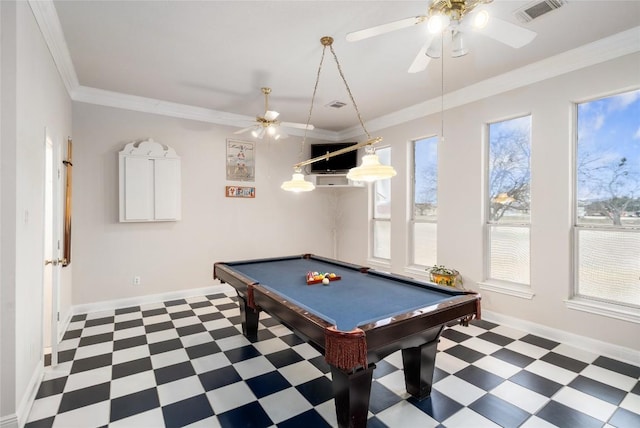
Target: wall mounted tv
(335, 164)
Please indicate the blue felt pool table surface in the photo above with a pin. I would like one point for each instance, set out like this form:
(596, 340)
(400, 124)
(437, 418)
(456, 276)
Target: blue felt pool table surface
(354, 300)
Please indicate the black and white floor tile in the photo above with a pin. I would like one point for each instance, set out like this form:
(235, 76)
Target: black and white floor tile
(186, 363)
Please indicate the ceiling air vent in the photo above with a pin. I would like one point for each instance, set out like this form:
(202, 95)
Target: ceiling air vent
(536, 9)
(336, 104)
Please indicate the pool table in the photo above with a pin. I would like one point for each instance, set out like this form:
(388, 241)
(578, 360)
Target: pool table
(355, 321)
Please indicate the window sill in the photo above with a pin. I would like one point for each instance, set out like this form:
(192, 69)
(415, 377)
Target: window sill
(509, 288)
(380, 264)
(418, 272)
(605, 309)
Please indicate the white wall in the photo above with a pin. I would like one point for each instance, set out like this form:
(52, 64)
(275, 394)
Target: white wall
(7, 212)
(460, 196)
(179, 255)
(40, 100)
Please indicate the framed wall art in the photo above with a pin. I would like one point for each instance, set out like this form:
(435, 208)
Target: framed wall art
(240, 161)
(240, 192)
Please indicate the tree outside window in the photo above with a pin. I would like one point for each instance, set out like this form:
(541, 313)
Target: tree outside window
(425, 201)
(509, 170)
(509, 200)
(608, 160)
(607, 203)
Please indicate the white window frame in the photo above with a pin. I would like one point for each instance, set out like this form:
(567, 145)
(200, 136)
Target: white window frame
(413, 266)
(511, 288)
(575, 300)
(383, 262)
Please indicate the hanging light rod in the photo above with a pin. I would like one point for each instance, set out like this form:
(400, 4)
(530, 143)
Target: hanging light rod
(338, 152)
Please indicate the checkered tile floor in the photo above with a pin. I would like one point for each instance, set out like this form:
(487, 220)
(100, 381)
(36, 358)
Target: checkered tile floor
(186, 363)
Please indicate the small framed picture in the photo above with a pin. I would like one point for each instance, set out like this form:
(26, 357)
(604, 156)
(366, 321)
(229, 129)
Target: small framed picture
(239, 192)
(240, 161)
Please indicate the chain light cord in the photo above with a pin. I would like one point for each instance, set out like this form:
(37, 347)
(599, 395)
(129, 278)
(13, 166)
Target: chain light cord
(313, 97)
(328, 41)
(349, 91)
(442, 87)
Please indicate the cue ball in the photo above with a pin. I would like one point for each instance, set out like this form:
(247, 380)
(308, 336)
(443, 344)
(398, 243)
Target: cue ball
(325, 281)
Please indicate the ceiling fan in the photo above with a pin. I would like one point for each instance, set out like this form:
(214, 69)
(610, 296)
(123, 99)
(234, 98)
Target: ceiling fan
(454, 18)
(268, 123)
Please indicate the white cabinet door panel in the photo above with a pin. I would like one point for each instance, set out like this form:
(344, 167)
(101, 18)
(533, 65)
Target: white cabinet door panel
(167, 189)
(138, 197)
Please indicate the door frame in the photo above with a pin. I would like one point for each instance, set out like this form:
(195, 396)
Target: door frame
(53, 265)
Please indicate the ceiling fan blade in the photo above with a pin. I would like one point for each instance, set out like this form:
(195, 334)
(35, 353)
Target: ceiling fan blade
(384, 28)
(422, 60)
(271, 115)
(296, 125)
(242, 131)
(507, 33)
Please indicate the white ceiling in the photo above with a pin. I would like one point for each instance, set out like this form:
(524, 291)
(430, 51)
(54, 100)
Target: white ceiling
(216, 55)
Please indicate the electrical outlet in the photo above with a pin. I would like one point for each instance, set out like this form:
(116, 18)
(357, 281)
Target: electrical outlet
(136, 280)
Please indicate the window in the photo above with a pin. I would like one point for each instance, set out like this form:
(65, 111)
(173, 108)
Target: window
(607, 205)
(508, 217)
(424, 218)
(381, 218)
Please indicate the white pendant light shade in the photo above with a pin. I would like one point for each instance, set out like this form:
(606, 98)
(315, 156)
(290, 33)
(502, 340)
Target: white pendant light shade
(297, 183)
(371, 170)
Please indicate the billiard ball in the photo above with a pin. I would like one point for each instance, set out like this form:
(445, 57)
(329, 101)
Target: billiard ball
(325, 281)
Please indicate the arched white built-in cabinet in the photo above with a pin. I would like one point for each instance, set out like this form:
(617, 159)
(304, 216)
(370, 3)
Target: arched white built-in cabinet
(149, 182)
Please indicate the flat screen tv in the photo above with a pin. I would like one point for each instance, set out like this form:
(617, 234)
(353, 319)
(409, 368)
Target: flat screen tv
(335, 164)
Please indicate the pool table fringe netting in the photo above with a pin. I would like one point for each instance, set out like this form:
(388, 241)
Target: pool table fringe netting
(345, 350)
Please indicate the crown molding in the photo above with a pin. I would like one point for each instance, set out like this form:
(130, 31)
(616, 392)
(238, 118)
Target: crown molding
(47, 18)
(85, 94)
(615, 46)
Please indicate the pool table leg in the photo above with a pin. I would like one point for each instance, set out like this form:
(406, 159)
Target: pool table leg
(419, 363)
(249, 318)
(351, 392)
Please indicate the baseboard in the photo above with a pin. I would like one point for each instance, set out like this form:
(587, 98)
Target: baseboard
(620, 353)
(62, 328)
(24, 406)
(9, 421)
(146, 299)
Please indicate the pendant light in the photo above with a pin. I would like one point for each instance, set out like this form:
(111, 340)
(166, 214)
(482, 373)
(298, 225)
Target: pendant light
(297, 183)
(370, 169)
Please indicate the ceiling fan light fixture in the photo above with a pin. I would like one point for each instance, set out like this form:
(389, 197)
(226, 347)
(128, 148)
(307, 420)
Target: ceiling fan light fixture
(267, 123)
(259, 132)
(480, 19)
(437, 23)
(434, 50)
(458, 46)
